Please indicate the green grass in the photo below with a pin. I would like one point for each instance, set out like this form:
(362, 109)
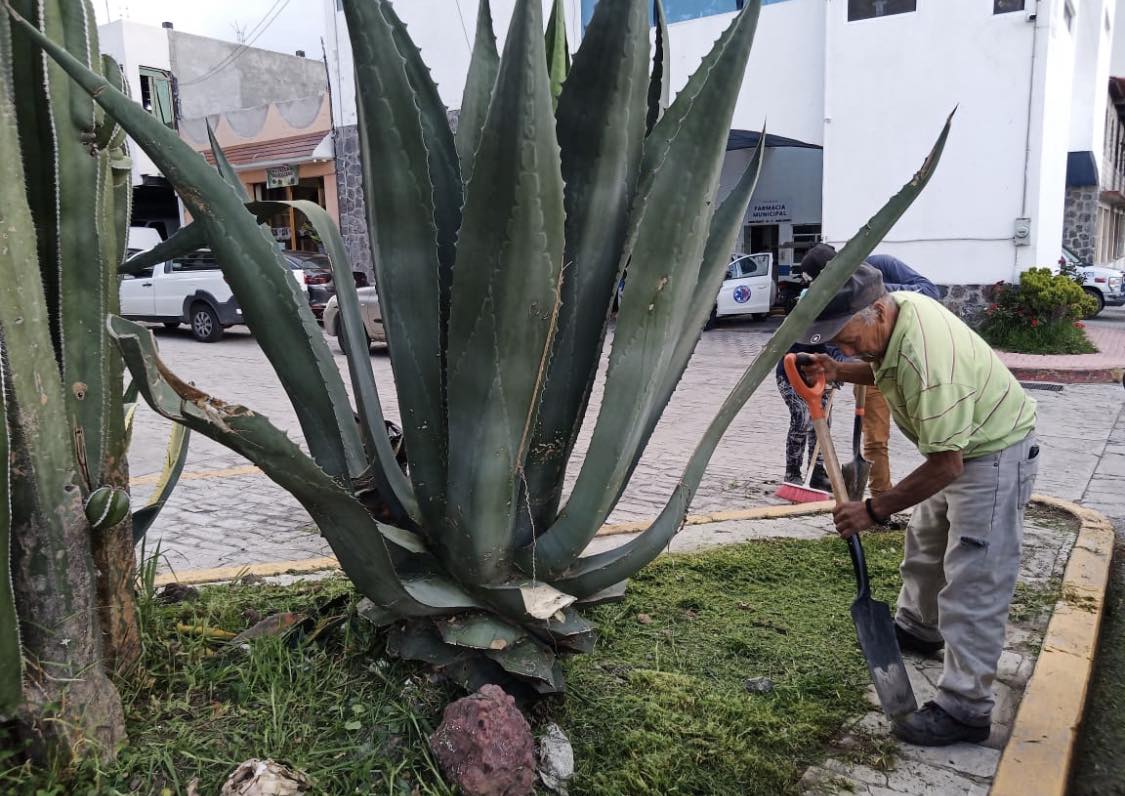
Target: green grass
(656, 708)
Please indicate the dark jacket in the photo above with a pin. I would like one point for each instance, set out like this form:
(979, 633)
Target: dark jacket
(897, 275)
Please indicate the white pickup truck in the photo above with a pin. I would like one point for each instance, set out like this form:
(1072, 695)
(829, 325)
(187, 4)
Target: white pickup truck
(1105, 285)
(189, 290)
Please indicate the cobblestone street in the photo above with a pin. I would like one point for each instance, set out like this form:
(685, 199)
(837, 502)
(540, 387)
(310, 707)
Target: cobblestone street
(225, 513)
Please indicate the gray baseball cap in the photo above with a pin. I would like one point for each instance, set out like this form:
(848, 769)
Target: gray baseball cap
(863, 289)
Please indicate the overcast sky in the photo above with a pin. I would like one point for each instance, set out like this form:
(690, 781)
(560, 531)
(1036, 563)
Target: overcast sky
(283, 25)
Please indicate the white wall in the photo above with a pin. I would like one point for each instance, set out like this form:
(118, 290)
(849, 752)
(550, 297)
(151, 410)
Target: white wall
(884, 111)
(1094, 46)
(784, 82)
(1117, 56)
(134, 45)
(436, 27)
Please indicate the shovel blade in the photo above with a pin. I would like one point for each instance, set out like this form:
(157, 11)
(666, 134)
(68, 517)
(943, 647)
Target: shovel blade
(876, 631)
(856, 474)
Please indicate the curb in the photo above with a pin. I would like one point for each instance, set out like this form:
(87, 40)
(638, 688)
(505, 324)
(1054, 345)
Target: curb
(1040, 752)
(274, 568)
(1070, 375)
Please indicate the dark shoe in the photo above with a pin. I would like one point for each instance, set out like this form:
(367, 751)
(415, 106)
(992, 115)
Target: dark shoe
(908, 642)
(794, 477)
(820, 479)
(932, 726)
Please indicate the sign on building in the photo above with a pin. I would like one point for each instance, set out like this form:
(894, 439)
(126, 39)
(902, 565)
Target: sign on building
(281, 176)
(766, 212)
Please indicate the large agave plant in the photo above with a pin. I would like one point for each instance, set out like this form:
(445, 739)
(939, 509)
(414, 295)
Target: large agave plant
(497, 250)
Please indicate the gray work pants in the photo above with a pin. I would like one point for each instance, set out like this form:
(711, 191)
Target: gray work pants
(959, 573)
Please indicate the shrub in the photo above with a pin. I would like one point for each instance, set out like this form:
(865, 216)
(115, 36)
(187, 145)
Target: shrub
(1041, 315)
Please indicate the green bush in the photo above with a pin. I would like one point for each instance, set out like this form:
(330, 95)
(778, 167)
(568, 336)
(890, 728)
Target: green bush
(1041, 315)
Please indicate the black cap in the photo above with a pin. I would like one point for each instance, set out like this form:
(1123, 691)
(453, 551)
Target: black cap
(815, 259)
(863, 289)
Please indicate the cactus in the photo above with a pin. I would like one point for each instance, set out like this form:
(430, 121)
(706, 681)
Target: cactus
(497, 252)
(66, 547)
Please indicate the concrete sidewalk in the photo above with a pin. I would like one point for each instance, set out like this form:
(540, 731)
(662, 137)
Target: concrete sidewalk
(1107, 332)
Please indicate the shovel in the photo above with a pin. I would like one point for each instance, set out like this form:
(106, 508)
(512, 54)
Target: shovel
(858, 470)
(873, 623)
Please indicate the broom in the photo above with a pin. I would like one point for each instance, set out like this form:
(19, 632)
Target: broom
(803, 493)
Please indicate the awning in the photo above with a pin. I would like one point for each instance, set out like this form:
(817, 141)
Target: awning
(279, 152)
(748, 139)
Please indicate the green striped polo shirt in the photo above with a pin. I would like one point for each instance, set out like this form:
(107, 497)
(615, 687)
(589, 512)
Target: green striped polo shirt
(946, 388)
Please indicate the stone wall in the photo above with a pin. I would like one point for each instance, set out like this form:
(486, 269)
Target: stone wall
(349, 184)
(1080, 222)
(967, 302)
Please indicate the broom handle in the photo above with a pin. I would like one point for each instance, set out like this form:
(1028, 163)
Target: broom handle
(816, 447)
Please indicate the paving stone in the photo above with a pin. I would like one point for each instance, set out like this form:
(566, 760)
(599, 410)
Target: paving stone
(921, 779)
(1010, 669)
(966, 759)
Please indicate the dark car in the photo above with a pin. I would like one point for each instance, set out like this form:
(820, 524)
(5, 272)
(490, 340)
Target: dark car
(317, 271)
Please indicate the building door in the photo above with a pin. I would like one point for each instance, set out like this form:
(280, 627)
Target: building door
(289, 227)
(762, 238)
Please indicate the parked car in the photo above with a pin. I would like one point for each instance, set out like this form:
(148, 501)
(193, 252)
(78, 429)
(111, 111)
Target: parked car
(189, 290)
(317, 273)
(372, 318)
(1104, 285)
(748, 288)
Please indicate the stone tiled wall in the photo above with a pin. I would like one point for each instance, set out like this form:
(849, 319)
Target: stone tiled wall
(1080, 222)
(349, 182)
(967, 302)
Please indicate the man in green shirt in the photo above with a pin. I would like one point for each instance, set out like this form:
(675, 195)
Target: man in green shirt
(956, 401)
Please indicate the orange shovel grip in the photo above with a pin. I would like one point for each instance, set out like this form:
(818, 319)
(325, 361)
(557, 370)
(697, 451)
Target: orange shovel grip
(812, 393)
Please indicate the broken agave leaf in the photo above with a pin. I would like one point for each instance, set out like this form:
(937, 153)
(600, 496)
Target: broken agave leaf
(610, 594)
(572, 631)
(480, 631)
(379, 617)
(541, 600)
(275, 625)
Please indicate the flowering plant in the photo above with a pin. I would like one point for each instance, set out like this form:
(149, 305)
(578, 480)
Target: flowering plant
(1042, 314)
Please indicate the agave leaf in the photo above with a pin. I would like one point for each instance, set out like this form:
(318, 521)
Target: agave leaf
(659, 87)
(182, 242)
(439, 594)
(267, 294)
(345, 523)
(420, 641)
(558, 51)
(672, 215)
(504, 305)
(11, 657)
(613, 593)
(401, 214)
(480, 631)
(483, 68)
(725, 228)
(226, 170)
(593, 573)
(391, 482)
(174, 459)
(572, 632)
(441, 151)
(407, 540)
(599, 127)
(530, 660)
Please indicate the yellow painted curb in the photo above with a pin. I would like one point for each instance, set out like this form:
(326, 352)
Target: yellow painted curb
(1040, 752)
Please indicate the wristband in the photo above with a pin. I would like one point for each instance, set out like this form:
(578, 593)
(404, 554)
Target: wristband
(875, 518)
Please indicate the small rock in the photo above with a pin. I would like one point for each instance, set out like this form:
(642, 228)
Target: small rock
(759, 685)
(644, 619)
(177, 593)
(484, 745)
(251, 580)
(265, 778)
(556, 759)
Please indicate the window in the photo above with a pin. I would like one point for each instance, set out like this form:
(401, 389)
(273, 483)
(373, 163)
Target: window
(681, 10)
(197, 261)
(866, 9)
(1006, 6)
(749, 265)
(156, 95)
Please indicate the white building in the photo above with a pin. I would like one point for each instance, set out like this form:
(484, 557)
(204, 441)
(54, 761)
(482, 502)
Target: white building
(863, 88)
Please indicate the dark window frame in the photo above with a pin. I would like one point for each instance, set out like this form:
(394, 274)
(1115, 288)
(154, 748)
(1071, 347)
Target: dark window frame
(1008, 6)
(861, 10)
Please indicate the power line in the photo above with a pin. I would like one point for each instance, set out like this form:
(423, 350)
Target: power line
(252, 36)
(464, 28)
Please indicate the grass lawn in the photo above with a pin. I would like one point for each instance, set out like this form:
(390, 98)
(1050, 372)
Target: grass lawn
(659, 707)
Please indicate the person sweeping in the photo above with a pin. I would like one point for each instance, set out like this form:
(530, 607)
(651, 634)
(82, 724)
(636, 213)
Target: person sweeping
(897, 276)
(956, 401)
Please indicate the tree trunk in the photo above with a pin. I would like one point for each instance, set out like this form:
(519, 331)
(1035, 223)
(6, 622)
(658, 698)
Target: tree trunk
(72, 709)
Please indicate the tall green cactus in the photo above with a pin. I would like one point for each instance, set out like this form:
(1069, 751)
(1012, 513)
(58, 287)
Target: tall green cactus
(66, 548)
(497, 252)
